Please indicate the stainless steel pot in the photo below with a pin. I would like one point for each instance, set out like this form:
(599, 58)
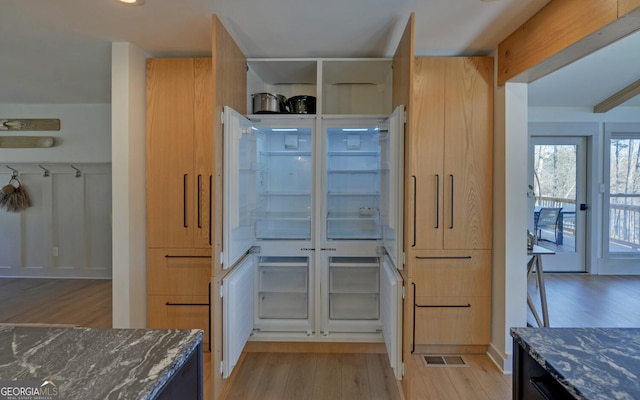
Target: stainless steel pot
(302, 104)
(269, 103)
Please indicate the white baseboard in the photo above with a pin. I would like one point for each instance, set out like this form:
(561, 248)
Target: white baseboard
(503, 361)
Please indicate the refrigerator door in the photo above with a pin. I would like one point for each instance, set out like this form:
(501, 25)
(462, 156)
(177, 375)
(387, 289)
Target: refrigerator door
(237, 313)
(391, 314)
(392, 186)
(239, 187)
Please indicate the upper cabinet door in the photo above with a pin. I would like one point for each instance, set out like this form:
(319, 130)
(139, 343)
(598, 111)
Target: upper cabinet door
(425, 151)
(403, 67)
(170, 142)
(239, 187)
(468, 152)
(203, 151)
(450, 154)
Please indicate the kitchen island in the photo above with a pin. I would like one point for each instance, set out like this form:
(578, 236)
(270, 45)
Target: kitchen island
(576, 363)
(88, 363)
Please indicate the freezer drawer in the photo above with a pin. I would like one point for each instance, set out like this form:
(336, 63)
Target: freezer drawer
(352, 227)
(343, 306)
(283, 279)
(283, 227)
(283, 306)
(354, 280)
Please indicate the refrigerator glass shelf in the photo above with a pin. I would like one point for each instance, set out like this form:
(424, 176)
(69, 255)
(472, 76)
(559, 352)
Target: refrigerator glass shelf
(283, 261)
(375, 194)
(283, 234)
(286, 153)
(354, 261)
(284, 216)
(350, 153)
(354, 171)
(350, 216)
(285, 194)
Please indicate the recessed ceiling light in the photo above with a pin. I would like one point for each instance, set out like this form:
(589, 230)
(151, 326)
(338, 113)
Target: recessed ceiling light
(131, 2)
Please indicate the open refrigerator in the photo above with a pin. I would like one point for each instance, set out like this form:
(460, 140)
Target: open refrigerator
(312, 230)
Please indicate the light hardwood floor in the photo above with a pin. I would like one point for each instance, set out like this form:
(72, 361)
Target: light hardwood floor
(596, 301)
(574, 300)
(82, 302)
(276, 376)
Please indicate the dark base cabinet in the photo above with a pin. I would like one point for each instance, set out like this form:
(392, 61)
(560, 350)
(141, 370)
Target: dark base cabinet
(187, 383)
(531, 381)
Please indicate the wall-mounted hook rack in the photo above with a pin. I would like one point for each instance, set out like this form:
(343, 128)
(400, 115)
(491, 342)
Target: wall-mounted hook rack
(46, 171)
(14, 174)
(78, 172)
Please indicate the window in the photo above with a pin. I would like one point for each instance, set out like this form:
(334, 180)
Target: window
(624, 193)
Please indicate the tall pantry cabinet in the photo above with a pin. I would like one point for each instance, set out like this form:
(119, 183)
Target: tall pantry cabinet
(449, 158)
(179, 175)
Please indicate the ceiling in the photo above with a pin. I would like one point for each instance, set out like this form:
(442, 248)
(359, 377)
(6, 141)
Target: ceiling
(57, 52)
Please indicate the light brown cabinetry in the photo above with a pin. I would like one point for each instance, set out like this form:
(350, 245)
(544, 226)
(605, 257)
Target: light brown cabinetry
(178, 289)
(449, 153)
(179, 174)
(453, 297)
(179, 152)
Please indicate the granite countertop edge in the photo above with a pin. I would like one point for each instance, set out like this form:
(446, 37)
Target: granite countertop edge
(540, 359)
(590, 363)
(177, 364)
(133, 362)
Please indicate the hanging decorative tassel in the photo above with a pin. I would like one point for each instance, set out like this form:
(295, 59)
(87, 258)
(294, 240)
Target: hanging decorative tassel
(13, 197)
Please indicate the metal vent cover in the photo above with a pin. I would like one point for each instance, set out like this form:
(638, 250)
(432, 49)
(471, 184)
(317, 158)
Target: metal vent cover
(431, 360)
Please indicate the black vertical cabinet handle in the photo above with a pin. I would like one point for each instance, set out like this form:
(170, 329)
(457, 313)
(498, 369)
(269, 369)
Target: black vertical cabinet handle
(415, 205)
(210, 203)
(199, 205)
(209, 317)
(451, 222)
(184, 201)
(437, 202)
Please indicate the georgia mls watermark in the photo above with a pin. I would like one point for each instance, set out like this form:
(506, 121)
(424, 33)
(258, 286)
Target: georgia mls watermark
(29, 390)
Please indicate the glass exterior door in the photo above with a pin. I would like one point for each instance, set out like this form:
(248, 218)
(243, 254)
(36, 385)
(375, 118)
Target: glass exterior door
(557, 192)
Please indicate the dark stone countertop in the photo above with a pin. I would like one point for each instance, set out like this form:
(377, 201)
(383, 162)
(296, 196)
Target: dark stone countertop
(89, 363)
(591, 363)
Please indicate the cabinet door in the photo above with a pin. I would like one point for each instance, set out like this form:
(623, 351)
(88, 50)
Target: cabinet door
(178, 272)
(170, 175)
(425, 147)
(178, 289)
(468, 145)
(179, 312)
(203, 151)
(450, 151)
(452, 297)
(452, 273)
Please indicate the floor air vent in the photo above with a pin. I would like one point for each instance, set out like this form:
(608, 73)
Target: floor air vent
(443, 361)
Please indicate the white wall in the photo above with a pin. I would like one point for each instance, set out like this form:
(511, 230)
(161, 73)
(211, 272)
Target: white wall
(582, 114)
(128, 196)
(84, 135)
(509, 278)
(33, 237)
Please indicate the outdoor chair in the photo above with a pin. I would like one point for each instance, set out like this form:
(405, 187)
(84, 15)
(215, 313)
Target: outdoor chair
(548, 218)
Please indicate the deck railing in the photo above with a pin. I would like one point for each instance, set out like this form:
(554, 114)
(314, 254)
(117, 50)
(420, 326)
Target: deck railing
(624, 220)
(624, 225)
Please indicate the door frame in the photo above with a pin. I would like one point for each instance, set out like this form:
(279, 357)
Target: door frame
(594, 175)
